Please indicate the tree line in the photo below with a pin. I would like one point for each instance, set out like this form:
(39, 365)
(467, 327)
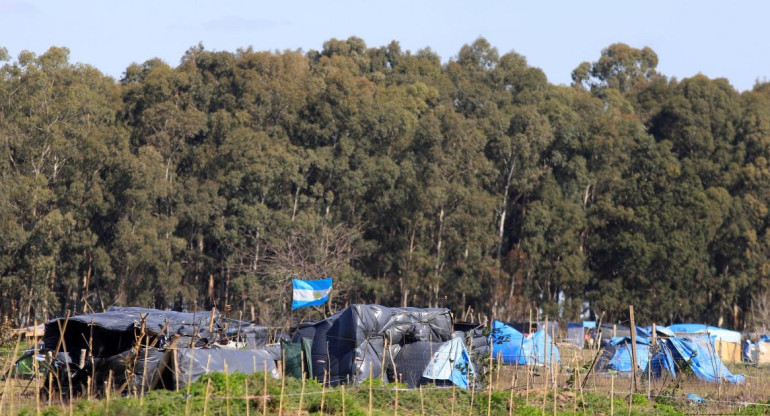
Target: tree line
(473, 183)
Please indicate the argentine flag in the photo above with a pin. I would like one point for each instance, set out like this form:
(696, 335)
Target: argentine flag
(310, 292)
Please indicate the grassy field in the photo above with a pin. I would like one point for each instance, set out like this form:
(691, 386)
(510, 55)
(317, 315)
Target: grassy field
(514, 390)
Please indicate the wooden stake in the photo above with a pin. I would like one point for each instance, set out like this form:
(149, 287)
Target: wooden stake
(633, 346)
(323, 392)
(342, 387)
(513, 386)
(264, 390)
(491, 377)
(553, 370)
(246, 396)
(395, 399)
(422, 402)
(371, 400)
(302, 391)
(283, 382)
(206, 399)
(227, 388)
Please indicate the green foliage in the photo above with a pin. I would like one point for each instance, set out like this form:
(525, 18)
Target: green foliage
(474, 183)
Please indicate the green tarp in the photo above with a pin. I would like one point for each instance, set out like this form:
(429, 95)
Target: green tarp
(293, 353)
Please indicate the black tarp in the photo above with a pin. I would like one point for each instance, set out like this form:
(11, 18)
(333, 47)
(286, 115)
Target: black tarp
(193, 363)
(349, 345)
(411, 360)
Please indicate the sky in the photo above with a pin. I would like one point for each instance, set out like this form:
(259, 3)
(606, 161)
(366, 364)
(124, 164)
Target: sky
(716, 38)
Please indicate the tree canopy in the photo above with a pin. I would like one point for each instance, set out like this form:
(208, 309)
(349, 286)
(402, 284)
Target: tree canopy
(473, 183)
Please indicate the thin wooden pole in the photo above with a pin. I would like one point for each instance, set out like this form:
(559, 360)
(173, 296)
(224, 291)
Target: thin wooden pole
(612, 394)
(342, 390)
(395, 399)
(206, 399)
(246, 396)
(422, 402)
(633, 346)
(513, 386)
(283, 382)
(490, 380)
(323, 392)
(264, 390)
(302, 391)
(553, 370)
(227, 388)
(371, 381)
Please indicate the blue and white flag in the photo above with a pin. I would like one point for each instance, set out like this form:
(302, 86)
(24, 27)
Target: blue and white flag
(310, 292)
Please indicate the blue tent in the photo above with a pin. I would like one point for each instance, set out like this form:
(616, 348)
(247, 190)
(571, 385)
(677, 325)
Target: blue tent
(514, 348)
(506, 343)
(701, 356)
(622, 357)
(451, 363)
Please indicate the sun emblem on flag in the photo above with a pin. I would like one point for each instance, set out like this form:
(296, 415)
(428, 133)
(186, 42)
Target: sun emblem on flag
(317, 294)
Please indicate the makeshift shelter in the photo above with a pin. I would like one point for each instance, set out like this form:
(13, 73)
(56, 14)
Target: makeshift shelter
(726, 342)
(193, 363)
(576, 332)
(352, 341)
(620, 354)
(699, 353)
(514, 348)
(670, 355)
(410, 361)
(451, 363)
(758, 352)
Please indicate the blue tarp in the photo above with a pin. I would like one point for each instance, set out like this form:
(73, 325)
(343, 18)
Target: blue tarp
(452, 363)
(716, 332)
(700, 354)
(514, 348)
(621, 359)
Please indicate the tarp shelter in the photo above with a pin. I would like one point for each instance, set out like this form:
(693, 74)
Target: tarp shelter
(352, 341)
(451, 363)
(514, 348)
(576, 332)
(700, 354)
(622, 354)
(758, 352)
(296, 357)
(726, 342)
(410, 361)
(193, 363)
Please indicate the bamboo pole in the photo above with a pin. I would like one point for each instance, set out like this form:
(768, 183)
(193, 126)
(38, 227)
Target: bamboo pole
(633, 347)
(371, 400)
(490, 380)
(206, 399)
(264, 390)
(323, 392)
(227, 388)
(302, 391)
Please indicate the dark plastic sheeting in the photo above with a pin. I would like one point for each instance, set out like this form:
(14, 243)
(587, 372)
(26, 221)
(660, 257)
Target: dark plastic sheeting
(244, 361)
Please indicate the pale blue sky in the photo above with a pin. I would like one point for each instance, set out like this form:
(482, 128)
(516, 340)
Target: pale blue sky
(716, 38)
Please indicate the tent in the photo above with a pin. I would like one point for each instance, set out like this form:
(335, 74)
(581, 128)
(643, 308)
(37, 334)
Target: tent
(726, 342)
(451, 363)
(670, 355)
(622, 354)
(514, 348)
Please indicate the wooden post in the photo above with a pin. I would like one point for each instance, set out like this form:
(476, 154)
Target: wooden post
(490, 380)
(342, 391)
(264, 390)
(302, 391)
(614, 330)
(422, 403)
(206, 399)
(227, 388)
(612, 394)
(554, 376)
(371, 400)
(633, 346)
(323, 392)
(395, 399)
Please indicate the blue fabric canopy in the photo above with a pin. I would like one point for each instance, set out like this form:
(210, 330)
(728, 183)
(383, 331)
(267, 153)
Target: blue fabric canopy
(514, 348)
